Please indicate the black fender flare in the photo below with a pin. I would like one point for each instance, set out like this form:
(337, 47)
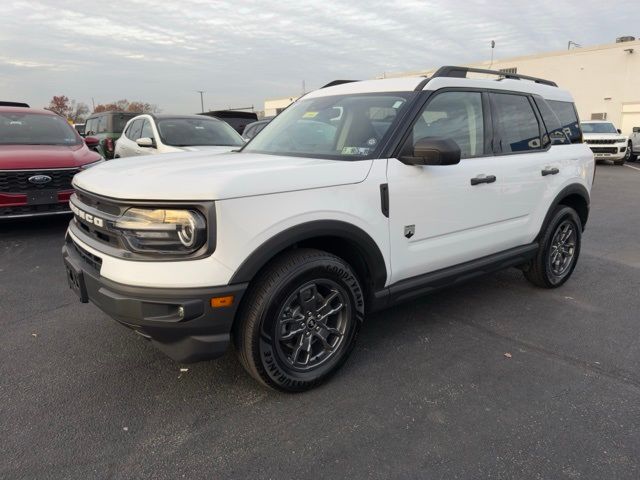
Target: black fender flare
(366, 246)
(573, 189)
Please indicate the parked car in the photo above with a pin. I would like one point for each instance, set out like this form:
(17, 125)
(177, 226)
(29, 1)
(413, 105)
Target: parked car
(606, 141)
(151, 134)
(79, 128)
(236, 118)
(252, 129)
(634, 142)
(39, 155)
(356, 197)
(107, 128)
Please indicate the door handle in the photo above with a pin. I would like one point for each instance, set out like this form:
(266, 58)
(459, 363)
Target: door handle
(483, 179)
(549, 171)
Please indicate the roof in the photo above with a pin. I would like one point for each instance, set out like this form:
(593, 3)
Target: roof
(26, 110)
(408, 84)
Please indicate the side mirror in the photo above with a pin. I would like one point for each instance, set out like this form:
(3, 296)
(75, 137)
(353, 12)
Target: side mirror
(619, 131)
(636, 129)
(91, 142)
(434, 151)
(146, 142)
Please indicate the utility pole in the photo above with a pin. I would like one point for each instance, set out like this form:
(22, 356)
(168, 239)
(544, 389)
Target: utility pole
(493, 46)
(201, 100)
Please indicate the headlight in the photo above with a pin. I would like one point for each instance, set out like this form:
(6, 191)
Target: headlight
(162, 231)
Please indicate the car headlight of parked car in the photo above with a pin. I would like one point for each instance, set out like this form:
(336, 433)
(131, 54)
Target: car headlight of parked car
(162, 230)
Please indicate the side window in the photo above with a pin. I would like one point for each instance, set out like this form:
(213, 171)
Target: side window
(516, 122)
(102, 124)
(135, 129)
(248, 132)
(566, 113)
(454, 115)
(90, 128)
(557, 135)
(147, 131)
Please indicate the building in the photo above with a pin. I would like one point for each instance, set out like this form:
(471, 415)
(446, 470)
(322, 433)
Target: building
(604, 80)
(275, 106)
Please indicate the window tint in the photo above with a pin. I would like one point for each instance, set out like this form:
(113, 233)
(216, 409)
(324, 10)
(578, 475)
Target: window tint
(517, 125)
(135, 130)
(566, 113)
(147, 131)
(454, 115)
(557, 135)
(248, 132)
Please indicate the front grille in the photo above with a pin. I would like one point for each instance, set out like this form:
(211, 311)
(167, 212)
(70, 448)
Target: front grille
(604, 149)
(34, 209)
(18, 181)
(93, 260)
(603, 142)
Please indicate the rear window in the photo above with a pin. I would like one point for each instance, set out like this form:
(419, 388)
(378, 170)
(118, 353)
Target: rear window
(568, 117)
(518, 129)
(119, 121)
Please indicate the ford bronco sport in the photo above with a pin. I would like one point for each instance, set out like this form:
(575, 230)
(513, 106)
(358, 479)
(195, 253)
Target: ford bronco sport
(358, 196)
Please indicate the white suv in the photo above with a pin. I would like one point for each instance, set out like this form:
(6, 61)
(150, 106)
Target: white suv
(606, 141)
(151, 134)
(358, 196)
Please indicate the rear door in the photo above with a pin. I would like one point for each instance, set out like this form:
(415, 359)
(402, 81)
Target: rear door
(127, 146)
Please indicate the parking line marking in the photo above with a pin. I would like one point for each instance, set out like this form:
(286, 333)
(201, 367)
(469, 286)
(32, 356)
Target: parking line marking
(635, 168)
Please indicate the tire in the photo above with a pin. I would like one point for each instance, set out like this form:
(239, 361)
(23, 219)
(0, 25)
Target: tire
(299, 320)
(543, 271)
(632, 157)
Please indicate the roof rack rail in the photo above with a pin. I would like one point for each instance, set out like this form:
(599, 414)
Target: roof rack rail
(338, 82)
(461, 72)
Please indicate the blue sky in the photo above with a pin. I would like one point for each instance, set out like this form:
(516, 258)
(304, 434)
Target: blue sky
(243, 52)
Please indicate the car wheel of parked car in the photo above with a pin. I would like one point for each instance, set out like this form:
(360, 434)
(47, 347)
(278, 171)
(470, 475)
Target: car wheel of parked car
(299, 320)
(632, 157)
(558, 251)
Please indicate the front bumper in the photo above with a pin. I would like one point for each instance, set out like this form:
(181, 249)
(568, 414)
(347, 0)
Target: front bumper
(180, 322)
(609, 153)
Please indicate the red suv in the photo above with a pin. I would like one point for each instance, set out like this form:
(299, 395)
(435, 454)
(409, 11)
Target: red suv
(39, 155)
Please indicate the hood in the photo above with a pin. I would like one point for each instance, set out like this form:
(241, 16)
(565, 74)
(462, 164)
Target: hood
(26, 157)
(203, 176)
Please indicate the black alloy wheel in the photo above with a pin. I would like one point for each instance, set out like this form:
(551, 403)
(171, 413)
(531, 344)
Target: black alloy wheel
(299, 320)
(558, 249)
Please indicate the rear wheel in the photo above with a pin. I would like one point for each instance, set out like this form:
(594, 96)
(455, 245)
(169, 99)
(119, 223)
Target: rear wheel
(558, 251)
(299, 320)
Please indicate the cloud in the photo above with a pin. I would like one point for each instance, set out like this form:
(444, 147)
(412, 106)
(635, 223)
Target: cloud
(242, 53)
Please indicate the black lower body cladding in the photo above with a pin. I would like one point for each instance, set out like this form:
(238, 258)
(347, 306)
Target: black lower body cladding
(179, 322)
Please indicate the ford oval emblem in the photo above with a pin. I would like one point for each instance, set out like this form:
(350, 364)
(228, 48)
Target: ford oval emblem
(40, 179)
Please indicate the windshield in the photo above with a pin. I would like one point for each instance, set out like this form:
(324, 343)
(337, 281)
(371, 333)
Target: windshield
(186, 132)
(341, 127)
(35, 129)
(598, 128)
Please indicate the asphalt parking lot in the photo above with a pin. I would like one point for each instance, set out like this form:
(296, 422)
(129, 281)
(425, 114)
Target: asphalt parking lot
(428, 392)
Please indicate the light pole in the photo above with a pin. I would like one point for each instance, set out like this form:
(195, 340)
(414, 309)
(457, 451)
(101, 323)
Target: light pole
(493, 46)
(201, 100)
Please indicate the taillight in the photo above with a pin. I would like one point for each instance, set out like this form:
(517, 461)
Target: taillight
(108, 143)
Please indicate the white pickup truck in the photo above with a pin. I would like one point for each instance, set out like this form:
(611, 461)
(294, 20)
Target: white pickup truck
(634, 142)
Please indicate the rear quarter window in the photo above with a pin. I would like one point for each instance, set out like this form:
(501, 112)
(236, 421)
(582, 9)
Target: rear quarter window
(568, 117)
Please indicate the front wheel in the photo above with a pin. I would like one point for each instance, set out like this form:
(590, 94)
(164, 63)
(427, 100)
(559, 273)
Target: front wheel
(558, 249)
(299, 320)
